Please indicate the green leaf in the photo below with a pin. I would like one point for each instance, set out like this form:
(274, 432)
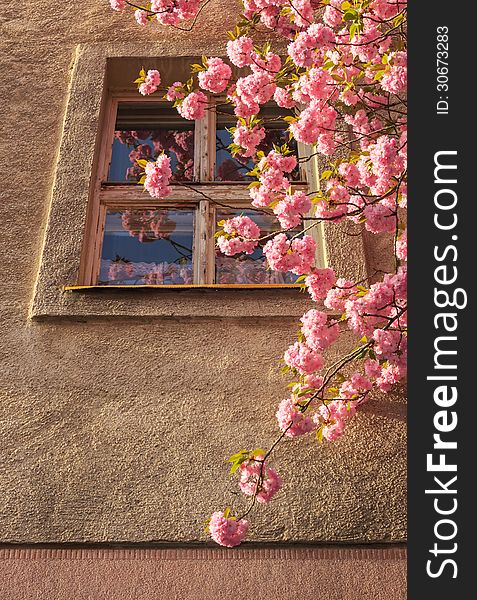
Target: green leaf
(227, 512)
(142, 163)
(326, 174)
(353, 30)
(305, 392)
(350, 15)
(398, 20)
(257, 452)
(319, 434)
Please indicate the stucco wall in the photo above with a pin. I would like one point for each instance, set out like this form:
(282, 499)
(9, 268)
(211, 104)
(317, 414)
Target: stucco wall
(115, 428)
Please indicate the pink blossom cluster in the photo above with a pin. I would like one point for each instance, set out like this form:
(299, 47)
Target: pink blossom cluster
(338, 295)
(291, 209)
(292, 420)
(141, 17)
(175, 91)
(315, 125)
(319, 282)
(216, 77)
(227, 531)
(395, 80)
(242, 226)
(333, 14)
(250, 471)
(386, 9)
(251, 91)
(303, 358)
(277, 161)
(158, 175)
(383, 302)
(296, 255)
(172, 12)
(308, 47)
(319, 333)
(269, 64)
(242, 235)
(283, 97)
(315, 84)
(193, 106)
(332, 418)
(240, 51)
(268, 12)
(248, 138)
(355, 386)
(368, 190)
(151, 82)
(118, 4)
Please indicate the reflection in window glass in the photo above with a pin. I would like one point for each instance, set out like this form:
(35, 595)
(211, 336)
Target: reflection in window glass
(235, 168)
(147, 247)
(250, 268)
(145, 130)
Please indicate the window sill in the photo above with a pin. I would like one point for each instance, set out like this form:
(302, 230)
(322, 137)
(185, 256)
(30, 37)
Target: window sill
(209, 302)
(192, 286)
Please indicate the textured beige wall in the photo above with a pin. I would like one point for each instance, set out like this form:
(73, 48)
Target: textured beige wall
(115, 428)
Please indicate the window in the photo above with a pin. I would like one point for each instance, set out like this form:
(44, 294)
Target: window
(133, 239)
(69, 265)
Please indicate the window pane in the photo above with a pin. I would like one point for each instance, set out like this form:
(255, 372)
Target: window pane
(230, 168)
(147, 247)
(250, 268)
(143, 131)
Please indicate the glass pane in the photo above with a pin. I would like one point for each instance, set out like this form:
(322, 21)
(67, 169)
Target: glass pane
(230, 168)
(147, 247)
(143, 131)
(250, 268)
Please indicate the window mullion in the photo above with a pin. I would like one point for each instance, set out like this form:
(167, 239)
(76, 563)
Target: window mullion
(198, 135)
(201, 243)
(207, 147)
(210, 243)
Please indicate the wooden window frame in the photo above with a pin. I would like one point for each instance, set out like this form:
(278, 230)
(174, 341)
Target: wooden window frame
(128, 196)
